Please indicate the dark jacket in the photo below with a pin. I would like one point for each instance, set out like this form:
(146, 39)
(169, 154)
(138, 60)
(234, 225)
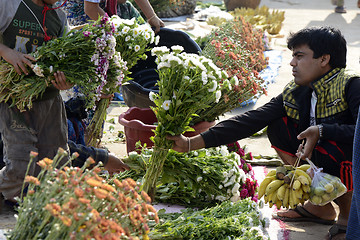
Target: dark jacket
(338, 127)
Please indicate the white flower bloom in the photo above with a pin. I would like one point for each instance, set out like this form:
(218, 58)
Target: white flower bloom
(152, 96)
(116, 20)
(175, 59)
(235, 188)
(157, 39)
(137, 48)
(224, 150)
(159, 50)
(38, 70)
(217, 96)
(129, 22)
(128, 38)
(125, 30)
(163, 64)
(214, 86)
(235, 80)
(51, 69)
(177, 48)
(204, 78)
(147, 36)
(166, 104)
(198, 179)
(220, 186)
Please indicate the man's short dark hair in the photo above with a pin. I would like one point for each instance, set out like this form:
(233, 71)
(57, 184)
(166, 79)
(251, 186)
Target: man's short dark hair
(321, 40)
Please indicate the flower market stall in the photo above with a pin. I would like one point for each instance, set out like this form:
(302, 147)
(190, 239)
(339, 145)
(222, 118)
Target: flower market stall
(74, 203)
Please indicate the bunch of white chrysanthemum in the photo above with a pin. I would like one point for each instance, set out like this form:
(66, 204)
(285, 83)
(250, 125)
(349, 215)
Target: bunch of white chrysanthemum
(187, 83)
(133, 39)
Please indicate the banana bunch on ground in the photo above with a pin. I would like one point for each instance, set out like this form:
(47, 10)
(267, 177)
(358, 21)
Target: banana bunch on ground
(286, 186)
(326, 188)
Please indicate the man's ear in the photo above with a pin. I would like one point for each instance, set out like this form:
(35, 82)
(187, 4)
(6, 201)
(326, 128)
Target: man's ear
(325, 59)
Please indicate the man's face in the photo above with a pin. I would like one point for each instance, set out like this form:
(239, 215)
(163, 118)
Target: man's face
(305, 68)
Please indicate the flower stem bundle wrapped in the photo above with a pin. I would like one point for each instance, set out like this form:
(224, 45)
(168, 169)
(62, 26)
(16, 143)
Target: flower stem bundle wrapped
(199, 178)
(132, 41)
(83, 55)
(187, 83)
(237, 49)
(75, 203)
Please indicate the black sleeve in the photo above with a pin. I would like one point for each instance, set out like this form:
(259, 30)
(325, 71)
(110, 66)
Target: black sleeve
(244, 125)
(84, 152)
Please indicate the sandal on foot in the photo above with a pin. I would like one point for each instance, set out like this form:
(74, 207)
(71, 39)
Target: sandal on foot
(305, 216)
(340, 10)
(335, 230)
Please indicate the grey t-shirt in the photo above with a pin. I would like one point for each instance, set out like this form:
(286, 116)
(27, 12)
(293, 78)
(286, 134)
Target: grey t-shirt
(21, 26)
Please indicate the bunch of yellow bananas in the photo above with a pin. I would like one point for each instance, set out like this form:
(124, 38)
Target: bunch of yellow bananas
(286, 186)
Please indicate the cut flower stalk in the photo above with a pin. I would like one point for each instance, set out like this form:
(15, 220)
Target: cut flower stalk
(187, 83)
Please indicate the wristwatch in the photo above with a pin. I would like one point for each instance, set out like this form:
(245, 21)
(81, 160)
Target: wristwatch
(320, 126)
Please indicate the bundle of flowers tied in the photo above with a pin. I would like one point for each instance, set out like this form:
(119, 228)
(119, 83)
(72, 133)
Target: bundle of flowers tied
(95, 58)
(87, 57)
(133, 38)
(199, 178)
(187, 83)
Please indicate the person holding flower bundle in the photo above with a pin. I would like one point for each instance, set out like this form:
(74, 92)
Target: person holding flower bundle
(25, 25)
(320, 106)
(117, 7)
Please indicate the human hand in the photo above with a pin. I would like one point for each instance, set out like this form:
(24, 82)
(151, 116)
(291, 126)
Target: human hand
(18, 60)
(311, 134)
(115, 165)
(156, 22)
(181, 143)
(60, 81)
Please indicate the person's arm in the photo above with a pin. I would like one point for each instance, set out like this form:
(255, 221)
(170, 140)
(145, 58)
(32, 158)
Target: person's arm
(185, 144)
(93, 10)
(150, 14)
(233, 129)
(244, 125)
(111, 162)
(17, 59)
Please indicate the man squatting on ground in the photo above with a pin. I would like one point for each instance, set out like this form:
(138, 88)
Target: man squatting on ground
(320, 105)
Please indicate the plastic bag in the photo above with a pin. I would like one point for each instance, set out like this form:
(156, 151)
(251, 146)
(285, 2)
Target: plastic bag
(324, 187)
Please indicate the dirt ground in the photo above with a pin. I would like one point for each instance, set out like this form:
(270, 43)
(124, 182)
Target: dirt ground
(298, 14)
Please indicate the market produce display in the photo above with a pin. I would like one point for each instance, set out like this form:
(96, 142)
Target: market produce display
(76, 203)
(261, 17)
(240, 220)
(286, 186)
(199, 178)
(237, 48)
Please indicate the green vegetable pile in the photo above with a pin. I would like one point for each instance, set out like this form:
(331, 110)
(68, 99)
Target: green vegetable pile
(228, 220)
